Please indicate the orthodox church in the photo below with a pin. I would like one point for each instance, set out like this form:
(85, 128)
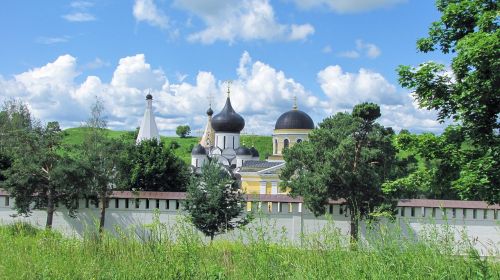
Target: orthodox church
(221, 141)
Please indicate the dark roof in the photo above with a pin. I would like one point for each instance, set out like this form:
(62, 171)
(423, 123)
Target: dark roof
(243, 151)
(228, 120)
(257, 165)
(436, 203)
(199, 150)
(294, 119)
(149, 96)
(254, 151)
(210, 111)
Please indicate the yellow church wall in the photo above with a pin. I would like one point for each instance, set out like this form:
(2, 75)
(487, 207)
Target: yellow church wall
(292, 135)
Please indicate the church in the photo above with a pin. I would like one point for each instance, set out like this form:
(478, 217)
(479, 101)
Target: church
(221, 141)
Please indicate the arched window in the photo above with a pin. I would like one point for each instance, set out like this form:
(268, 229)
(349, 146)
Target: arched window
(299, 140)
(286, 143)
(275, 146)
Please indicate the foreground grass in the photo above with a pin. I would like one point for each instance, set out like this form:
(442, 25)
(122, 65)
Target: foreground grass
(27, 253)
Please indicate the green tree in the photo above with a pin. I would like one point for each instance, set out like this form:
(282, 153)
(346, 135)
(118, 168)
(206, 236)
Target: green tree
(183, 131)
(103, 157)
(214, 201)
(347, 157)
(451, 167)
(151, 166)
(40, 177)
(470, 95)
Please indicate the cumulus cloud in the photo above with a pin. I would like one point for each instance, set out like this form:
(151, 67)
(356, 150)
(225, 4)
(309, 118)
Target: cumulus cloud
(399, 110)
(259, 92)
(241, 20)
(147, 11)
(347, 6)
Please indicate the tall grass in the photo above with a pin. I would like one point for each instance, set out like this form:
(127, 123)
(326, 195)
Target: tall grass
(157, 251)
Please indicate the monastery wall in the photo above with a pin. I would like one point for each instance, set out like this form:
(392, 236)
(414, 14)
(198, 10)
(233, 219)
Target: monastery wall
(280, 216)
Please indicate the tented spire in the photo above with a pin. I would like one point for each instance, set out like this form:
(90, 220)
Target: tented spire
(148, 129)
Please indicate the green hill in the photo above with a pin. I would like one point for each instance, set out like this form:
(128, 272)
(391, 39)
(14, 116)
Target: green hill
(263, 144)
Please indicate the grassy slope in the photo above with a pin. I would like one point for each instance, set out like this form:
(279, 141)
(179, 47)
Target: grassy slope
(263, 144)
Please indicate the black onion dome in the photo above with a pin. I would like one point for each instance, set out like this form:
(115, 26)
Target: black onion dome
(243, 151)
(199, 150)
(210, 112)
(254, 151)
(294, 119)
(149, 96)
(228, 120)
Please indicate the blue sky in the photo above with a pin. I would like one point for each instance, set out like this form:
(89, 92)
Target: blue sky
(332, 54)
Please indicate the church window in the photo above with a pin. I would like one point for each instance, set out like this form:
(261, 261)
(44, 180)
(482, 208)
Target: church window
(299, 140)
(275, 146)
(224, 145)
(286, 143)
(196, 162)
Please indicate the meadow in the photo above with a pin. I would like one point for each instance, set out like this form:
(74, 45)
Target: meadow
(74, 136)
(29, 253)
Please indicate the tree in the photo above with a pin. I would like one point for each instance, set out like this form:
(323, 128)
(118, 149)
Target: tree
(214, 201)
(348, 157)
(41, 176)
(103, 157)
(151, 166)
(183, 131)
(470, 95)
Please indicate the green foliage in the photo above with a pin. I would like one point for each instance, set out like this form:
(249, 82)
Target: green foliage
(452, 167)
(151, 166)
(40, 177)
(214, 201)
(183, 131)
(347, 157)
(103, 158)
(470, 95)
(174, 145)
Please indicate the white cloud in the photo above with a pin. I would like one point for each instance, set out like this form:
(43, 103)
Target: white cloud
(367, 49)
(370, 50)
(241, 20)
(79, 17)
(399, 110)
(134, 72)
(327, 49)
(81, 5)
(349, 54)
(260, 93)
(347, 6)
(146, 10)
(301, 32)
(51, 40)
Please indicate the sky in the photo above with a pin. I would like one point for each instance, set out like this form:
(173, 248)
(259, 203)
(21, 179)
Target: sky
(59, 56)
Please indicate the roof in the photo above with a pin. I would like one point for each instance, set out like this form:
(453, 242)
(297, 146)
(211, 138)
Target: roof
(228, 120)
(257, 165)
(294, 119)
(243, 151)
(199, 150)
(429, 203)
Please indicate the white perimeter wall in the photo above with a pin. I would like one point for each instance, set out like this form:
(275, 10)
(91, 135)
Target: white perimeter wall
(483, 227)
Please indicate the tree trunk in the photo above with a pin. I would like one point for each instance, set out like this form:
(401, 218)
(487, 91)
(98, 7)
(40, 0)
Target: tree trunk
(354, 227)
(103, 213)
(50, 209)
